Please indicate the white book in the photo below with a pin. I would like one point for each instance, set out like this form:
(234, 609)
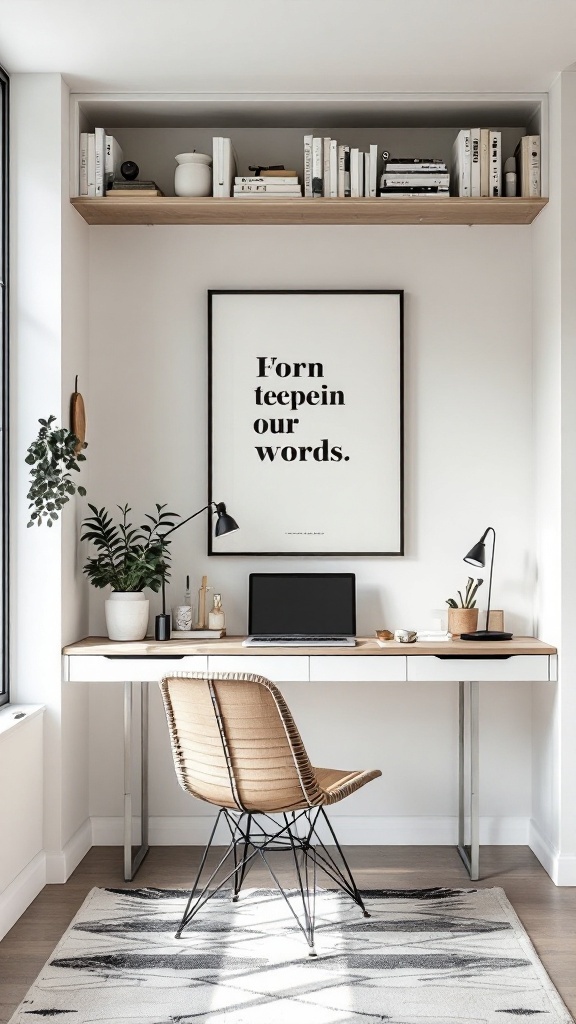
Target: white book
(474, 161)
(263, 180)
(354, 162)
(333, 168)
(216, 160)
(341, 151)
(114, 159)
(360, 173)
(367, 174)
(229, 160)
(484, 162)
(528, 166)
(326, 166)
(373, 176)
(308, 165)
(278, 189)
(317, 166)
(100, 161)
(91, 165)
(495, 164)
(83, 170)
(268, 195)
(461, 163)
(415, 180)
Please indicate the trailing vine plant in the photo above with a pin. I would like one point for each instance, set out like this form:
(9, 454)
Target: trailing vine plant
(53, 456)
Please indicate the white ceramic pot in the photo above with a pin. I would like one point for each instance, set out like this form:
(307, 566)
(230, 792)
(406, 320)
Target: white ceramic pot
(193, 175)
(126, 615)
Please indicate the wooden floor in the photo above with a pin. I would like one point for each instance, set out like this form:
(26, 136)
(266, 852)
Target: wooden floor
(547, 912)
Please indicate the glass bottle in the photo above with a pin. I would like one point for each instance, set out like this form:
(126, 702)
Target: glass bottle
(216, 619)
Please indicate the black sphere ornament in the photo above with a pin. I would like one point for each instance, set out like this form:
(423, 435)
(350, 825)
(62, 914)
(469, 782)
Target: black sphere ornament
(129, 170)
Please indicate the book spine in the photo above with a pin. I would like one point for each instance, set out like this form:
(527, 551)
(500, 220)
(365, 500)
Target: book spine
(83, 174)
(279, 189)
(484, 162)
(360, 173)
(215, 167)
(333, 168)
(354, 154)
(415, 180)
(326, 167)
(531, 166)
(495, 164)
(420, 190)
(341, 152)
(317, 167)
(347, 171)
(228, 167)
(308, 165)
(266, 181)
(461, 154)
(474, 161)
(91, 165)
(402, 166)
(100, 161)
(373, 176)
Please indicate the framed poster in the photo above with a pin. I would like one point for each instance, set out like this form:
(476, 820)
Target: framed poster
(306, 421)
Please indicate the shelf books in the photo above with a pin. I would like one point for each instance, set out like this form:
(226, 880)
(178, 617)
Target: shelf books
(100, 160)
(274, 187)
(528, 166)
(406, 177)
(223, 167)
(333, 170)
(477, 163)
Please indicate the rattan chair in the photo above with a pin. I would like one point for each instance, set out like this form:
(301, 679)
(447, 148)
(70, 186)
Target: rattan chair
(235, 744)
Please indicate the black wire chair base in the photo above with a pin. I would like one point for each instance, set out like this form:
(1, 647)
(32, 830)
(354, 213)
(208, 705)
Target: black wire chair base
(252, 836)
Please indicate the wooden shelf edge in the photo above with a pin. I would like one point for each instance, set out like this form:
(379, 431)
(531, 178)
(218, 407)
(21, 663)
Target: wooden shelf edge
(177, 210)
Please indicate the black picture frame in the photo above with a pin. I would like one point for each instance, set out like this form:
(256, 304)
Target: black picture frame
(354, 336)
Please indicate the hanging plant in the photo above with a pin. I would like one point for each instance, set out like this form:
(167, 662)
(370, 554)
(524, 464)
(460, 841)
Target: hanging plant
(53, 456)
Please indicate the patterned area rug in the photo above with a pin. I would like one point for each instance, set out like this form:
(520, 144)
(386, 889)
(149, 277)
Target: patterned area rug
(429, 956)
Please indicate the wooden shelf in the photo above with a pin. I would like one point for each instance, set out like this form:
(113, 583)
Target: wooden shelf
(169, 210)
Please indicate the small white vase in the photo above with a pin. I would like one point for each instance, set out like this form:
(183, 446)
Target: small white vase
(126, 615)
(193, 175)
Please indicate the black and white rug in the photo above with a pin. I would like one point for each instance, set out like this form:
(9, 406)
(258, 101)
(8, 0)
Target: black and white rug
(430, 956)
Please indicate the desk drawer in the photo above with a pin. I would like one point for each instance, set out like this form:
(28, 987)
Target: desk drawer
(98, 669)
(365, 669)
(520, 667)
(276, 668)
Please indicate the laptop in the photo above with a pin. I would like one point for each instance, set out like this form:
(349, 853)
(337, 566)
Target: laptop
(301, 609)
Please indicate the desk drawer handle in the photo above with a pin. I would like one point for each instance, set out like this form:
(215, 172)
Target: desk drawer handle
(473, 657)
(145, 657)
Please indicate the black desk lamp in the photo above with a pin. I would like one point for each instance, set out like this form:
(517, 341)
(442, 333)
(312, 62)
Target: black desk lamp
(224, 524)
(477, 557)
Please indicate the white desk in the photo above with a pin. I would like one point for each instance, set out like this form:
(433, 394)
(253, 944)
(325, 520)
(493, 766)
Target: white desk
(524, 659)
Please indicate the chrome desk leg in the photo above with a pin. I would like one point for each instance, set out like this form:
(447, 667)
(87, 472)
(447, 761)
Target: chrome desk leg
(131, 865)
(469, 854)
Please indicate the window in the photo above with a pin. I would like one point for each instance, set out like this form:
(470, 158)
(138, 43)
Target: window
(4, 564)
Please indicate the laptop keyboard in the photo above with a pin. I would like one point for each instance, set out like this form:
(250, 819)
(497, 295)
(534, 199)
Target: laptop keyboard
(299, 641)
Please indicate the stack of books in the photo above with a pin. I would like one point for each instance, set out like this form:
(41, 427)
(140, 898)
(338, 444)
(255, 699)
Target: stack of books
(414, 177)
(134, 189)
(268, 186)
(477, 163)
(100, 160)
(338, 171)
(528, 166)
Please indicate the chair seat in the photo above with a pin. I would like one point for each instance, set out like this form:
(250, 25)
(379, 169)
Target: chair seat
(337, 784)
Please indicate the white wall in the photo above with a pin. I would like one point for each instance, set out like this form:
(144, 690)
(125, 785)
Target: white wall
(468, 465)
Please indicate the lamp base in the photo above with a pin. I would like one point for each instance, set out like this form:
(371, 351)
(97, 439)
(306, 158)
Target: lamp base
(487, 634)
(162, 625)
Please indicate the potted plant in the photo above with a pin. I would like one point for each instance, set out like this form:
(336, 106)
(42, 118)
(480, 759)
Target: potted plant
(463, 616)
(129, 559)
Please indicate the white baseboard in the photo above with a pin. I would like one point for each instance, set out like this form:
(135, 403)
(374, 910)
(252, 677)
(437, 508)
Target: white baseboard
(20, 893)
(351, 831)
(59, 866)
(562, 870)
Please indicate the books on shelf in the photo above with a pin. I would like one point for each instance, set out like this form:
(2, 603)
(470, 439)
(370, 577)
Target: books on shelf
(132, 193)
(477, 163)
(223, 167)
(100, 161)
(406, 177)
(528, 166)
(461, 163)
(279, 187)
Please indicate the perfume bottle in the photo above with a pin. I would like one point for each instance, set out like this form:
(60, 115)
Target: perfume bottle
(216, 619)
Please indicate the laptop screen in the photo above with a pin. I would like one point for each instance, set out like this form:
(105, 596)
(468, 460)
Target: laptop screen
(302, 603)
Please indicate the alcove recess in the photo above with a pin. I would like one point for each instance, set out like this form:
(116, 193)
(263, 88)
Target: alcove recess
(269, 129)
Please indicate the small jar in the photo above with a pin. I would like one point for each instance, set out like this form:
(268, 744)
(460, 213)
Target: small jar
(216, 619)
(193, 175)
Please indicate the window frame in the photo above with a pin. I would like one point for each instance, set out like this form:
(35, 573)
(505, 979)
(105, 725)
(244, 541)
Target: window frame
(4, 339)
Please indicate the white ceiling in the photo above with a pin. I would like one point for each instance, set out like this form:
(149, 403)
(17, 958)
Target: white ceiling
(291, 45)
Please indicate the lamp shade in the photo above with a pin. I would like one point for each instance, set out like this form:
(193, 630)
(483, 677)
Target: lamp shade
(477, 555)
(224, 523)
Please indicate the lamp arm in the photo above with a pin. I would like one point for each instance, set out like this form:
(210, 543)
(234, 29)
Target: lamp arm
(490, 528)
(184, 521)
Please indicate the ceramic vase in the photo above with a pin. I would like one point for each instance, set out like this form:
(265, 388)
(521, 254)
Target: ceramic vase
(193, 175)
(462, 620)
(126, 615)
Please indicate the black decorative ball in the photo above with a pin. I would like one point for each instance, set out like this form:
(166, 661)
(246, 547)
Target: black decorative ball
(129, 170)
